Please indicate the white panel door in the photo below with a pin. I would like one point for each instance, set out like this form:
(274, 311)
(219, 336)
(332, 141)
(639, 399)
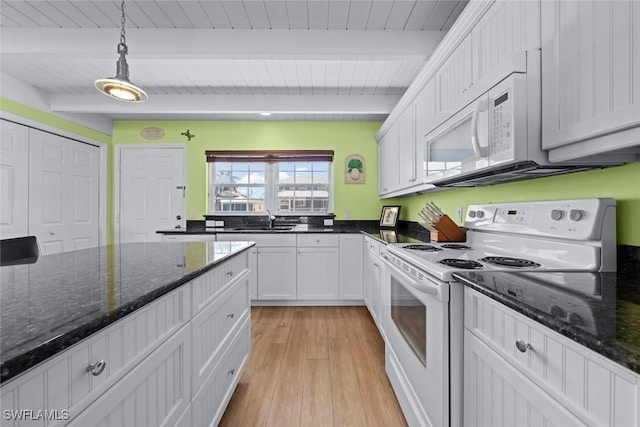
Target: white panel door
(152, 192)
(14, 180)
(318, 273)
(277, 273)
(63, 192)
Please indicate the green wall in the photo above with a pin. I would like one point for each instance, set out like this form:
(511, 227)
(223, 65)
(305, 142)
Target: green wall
(621, 183)
(343, 137)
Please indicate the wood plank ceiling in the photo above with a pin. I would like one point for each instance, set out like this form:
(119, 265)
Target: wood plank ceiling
(226, 59)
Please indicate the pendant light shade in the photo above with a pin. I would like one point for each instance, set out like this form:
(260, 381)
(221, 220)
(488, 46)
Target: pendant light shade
(120, 87)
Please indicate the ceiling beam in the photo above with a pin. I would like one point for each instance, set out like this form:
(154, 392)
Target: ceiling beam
(211, 104)
(222, 44)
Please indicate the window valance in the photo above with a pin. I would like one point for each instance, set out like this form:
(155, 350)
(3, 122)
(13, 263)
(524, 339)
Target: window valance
(269, 156)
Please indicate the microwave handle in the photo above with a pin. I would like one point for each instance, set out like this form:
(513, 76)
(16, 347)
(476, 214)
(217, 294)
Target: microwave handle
(475, 143)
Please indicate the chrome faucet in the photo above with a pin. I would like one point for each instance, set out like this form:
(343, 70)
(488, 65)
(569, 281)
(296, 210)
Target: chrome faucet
(271, 218)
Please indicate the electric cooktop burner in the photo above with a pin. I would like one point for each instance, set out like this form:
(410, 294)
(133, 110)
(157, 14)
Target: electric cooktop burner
(455, 246)
(510, 262)
(460, 263)
(426, 248)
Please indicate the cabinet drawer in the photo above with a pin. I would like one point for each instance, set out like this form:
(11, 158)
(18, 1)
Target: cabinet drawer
(574, 375)
(209, 404)
(208, 286)
(264, 239)
(213, 328)
(311, 240)
(154, 393)
(62, 383)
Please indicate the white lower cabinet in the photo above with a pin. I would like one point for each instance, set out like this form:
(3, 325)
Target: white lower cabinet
(209, 403)
(311, 267)
(547, 379)
(173, 362)
(372, 275)
(154, 393)
(317, 267)
(351, 267)
(497, 395)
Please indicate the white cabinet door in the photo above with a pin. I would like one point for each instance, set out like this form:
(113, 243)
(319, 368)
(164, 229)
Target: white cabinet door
(590, 71)
(497, 395)
(63, 192)
(154, 393)
(453, 80)
(388, 162)
(351, 266)
(277, 273)
(318, 273)
(14, 180)
(507, 28)
(407, 148)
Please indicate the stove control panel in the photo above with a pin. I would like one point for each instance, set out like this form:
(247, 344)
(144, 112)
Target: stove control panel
(581, 219)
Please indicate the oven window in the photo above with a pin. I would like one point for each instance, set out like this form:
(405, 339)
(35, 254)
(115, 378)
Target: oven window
(410, 316)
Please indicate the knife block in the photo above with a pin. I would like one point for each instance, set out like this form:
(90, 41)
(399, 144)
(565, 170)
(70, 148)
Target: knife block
(447, 231)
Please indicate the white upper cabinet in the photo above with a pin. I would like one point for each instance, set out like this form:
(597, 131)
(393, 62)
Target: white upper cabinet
(507, 28)
(453, 80)
(590, 77)
(388, 162)
(407, 148)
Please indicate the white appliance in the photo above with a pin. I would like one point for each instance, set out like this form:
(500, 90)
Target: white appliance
(497, 137)
(423, 308)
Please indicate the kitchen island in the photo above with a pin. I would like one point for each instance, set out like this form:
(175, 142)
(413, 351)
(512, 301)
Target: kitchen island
(79, 326)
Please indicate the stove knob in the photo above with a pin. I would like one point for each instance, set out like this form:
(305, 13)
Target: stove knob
(472, 214)
(557, 214)
(575, 215)
(480, 214)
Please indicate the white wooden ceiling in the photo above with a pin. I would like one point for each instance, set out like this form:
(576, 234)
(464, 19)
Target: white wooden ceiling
(227, 59)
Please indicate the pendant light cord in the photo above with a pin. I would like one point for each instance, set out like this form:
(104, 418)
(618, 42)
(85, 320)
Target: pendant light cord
(122, 46)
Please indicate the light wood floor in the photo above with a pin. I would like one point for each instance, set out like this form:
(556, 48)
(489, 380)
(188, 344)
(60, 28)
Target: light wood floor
(314, 366)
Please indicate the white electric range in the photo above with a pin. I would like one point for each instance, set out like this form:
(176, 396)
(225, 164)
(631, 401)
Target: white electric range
(422, 301)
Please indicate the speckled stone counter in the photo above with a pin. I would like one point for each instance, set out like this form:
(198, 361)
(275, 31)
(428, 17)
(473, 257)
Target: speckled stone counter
(601, 310)
(61, 299)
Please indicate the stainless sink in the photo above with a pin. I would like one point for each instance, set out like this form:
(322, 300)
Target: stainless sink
(263, 228)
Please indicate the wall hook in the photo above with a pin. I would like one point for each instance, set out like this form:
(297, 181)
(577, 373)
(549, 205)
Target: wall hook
(188, 134)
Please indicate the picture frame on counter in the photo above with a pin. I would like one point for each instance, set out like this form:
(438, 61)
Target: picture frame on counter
(389, 216)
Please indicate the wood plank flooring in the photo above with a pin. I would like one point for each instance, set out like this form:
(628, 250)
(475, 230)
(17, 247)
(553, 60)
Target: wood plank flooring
(314, 366)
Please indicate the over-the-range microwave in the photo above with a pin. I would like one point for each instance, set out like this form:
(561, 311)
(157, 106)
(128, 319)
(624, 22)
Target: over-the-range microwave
(496, 138)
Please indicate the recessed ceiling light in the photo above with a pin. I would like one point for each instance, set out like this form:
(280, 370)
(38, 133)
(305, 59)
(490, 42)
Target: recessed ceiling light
(265, 114)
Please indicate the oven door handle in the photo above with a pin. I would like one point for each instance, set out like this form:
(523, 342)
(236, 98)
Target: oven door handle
(422, 287)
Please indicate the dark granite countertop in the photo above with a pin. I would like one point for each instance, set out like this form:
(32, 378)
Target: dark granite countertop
(61, 299)
(601, 310)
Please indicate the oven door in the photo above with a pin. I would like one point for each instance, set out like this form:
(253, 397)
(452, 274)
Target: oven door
(417, 321)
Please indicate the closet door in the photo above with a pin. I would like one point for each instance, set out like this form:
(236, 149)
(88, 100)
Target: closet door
(14, 180)
(63, 192)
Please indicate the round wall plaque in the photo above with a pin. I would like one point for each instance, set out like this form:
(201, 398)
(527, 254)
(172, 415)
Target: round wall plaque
(152, 133)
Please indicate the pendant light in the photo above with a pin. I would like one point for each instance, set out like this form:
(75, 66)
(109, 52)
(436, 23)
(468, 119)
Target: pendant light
(119, 87)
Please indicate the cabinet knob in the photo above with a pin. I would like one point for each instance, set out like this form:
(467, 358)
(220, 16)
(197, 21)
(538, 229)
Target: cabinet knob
(51, 233)
(230, 315)
(375, 264)
(229, 273)
(522, 346)
(96, 368)
(231, 371)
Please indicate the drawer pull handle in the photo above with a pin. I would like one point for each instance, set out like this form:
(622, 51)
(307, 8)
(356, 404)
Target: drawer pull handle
(231, 371)
(230, 315)
(522, 346)
(229, 273)
(97, 368)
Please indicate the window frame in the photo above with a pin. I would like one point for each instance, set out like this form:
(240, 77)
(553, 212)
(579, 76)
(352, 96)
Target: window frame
(271, 168)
